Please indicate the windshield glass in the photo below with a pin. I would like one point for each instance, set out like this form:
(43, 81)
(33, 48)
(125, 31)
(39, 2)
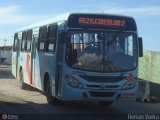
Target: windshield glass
(101, 51)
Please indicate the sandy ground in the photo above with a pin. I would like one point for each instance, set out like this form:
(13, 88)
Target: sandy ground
(11, 96)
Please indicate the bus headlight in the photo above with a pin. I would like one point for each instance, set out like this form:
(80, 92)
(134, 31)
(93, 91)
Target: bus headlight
(73, 82)
(129, 85)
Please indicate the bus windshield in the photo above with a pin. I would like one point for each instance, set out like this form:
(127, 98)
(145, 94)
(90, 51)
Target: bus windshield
(101, 51)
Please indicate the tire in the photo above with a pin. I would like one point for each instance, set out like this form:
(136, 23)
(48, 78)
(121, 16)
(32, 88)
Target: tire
(105, 103)
(21, 83)
(50, 99)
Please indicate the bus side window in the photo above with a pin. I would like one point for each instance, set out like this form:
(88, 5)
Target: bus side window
(23, 43)
(42, 39)
(51, 40)
(29, 39)
(15, 42)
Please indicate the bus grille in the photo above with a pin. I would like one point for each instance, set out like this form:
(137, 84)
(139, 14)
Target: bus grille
(101, 94)
(103, 78)
(106, 87)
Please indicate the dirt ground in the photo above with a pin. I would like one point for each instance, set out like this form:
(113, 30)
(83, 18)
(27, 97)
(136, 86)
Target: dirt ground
(12, 96)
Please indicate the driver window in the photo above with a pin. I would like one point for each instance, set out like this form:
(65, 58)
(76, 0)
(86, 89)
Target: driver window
(129, 45)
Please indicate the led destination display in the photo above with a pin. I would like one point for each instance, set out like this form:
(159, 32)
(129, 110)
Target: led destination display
(101, 21)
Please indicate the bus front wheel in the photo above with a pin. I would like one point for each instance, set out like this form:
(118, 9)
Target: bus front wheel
(50, 99)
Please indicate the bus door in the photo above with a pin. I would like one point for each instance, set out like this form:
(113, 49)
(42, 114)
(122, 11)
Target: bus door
(33, 56)
(59, 56)
(16, 53)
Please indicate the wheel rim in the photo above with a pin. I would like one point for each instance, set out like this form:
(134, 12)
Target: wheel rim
(48, 90)
(21, 79)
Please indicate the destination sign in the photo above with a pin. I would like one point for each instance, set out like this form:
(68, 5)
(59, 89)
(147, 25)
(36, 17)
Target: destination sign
(101, 21)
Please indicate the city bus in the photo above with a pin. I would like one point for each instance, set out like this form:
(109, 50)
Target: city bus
(79, 57)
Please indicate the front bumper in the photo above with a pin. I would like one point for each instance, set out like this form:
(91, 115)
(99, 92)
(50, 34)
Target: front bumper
(86, 94)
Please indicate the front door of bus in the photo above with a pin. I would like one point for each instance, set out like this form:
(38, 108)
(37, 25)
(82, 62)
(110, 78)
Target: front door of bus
(58, 81)
(33, 56)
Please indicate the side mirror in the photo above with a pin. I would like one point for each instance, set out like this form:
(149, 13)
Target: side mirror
(140, 44)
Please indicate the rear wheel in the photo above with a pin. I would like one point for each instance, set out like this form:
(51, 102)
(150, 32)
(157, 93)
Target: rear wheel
(50, 98)
(105, 103)
(21, 83)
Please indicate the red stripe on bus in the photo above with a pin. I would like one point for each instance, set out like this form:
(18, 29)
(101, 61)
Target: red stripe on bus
(28, 68)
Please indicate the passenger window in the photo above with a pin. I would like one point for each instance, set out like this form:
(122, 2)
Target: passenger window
(51, 40)
(23, 43)
(15, 42)
(29, 39)
(42, 39)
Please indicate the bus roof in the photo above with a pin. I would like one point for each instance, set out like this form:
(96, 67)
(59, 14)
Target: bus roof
(63, 18)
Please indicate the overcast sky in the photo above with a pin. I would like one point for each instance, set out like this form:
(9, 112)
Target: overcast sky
(18, 13)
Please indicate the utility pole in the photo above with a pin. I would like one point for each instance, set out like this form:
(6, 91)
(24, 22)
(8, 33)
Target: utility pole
(4, 44)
